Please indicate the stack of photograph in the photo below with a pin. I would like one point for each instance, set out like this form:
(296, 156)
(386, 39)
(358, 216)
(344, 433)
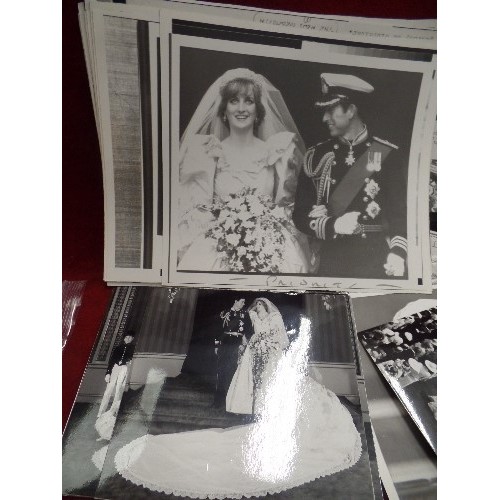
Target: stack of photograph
(270, 193)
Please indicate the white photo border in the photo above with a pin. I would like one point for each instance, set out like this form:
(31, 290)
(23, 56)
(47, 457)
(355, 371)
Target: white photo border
(415, 281)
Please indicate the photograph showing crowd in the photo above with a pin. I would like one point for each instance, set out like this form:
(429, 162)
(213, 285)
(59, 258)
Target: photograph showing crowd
(405, 351)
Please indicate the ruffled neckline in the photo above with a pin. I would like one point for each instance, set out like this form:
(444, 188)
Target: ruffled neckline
(274, 148)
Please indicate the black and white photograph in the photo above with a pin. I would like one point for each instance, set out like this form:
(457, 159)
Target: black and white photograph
(433, 205)
(433, 220)
(405, 352)
(266, 321)
(122, 63)
(153, 237)
(433, 196)
(433, 238)
(407, 462)
(222, 394)
(288, 168)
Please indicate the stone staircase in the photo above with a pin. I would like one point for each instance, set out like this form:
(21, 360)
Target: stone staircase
(186, 404)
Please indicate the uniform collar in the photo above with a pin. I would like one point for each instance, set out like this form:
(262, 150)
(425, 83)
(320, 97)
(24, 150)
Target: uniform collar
(361, 137)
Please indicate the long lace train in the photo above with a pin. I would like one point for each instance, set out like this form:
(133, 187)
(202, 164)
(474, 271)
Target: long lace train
(249, 460)
(302, 431)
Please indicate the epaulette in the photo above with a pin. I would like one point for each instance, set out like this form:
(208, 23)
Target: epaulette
(387, 143)
(319, 144)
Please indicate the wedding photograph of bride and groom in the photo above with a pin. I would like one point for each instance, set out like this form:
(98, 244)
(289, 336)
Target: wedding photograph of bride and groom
(292, 167)
(266, 400)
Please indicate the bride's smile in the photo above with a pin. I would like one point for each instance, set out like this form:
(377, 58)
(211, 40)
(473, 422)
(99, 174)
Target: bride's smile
(241, 111)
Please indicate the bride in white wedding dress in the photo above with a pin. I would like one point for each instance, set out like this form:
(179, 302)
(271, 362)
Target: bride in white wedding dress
(259, 360)
(240, 141)
(301, 432)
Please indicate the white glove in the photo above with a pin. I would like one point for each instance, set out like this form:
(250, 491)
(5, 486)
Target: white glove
(107, 377)
(318, 211)
(395, 265)
(347, 223)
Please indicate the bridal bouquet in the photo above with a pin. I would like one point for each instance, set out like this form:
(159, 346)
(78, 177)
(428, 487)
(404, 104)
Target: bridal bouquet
(249, 230)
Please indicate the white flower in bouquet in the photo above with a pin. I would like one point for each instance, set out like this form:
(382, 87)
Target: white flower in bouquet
(249, 231)
(268, 248)
(229, 223)
(257, 208)
(258, 245)
(218, 232)
(234, 203)
(278, 212)
(252, 198)
(245, 215)
(248, 238)
(233, 239)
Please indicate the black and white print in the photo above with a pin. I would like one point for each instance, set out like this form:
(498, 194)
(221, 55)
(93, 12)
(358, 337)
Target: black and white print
(121, 52)
(294, 166)
(141, 133)
(405, 351)
(433, 208)
(228, 394)
(400, 443)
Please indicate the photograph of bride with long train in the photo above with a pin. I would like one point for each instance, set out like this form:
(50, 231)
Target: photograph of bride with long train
(255, 393)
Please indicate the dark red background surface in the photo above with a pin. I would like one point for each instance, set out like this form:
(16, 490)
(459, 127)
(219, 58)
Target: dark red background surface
(82, 196)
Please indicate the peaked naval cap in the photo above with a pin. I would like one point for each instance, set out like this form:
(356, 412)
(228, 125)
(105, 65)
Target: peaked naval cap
(336, 89)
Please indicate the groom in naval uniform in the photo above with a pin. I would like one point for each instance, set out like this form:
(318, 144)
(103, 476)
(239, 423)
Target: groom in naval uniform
(351, 193)
(235, 331)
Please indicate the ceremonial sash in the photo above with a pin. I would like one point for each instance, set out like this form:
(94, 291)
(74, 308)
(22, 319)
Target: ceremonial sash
(354, 180)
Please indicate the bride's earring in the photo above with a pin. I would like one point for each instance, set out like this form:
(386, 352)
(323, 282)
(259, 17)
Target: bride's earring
(224, 118)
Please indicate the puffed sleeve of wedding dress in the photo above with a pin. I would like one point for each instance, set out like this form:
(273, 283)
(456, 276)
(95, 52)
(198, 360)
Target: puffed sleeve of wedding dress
(196, 172)
(197, 167)
(287, 159)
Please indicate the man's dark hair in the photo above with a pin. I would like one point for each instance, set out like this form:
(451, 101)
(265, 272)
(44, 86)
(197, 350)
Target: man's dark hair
(344, 104)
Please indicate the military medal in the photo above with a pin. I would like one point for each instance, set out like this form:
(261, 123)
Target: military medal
(374, 162)
(350, 158)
